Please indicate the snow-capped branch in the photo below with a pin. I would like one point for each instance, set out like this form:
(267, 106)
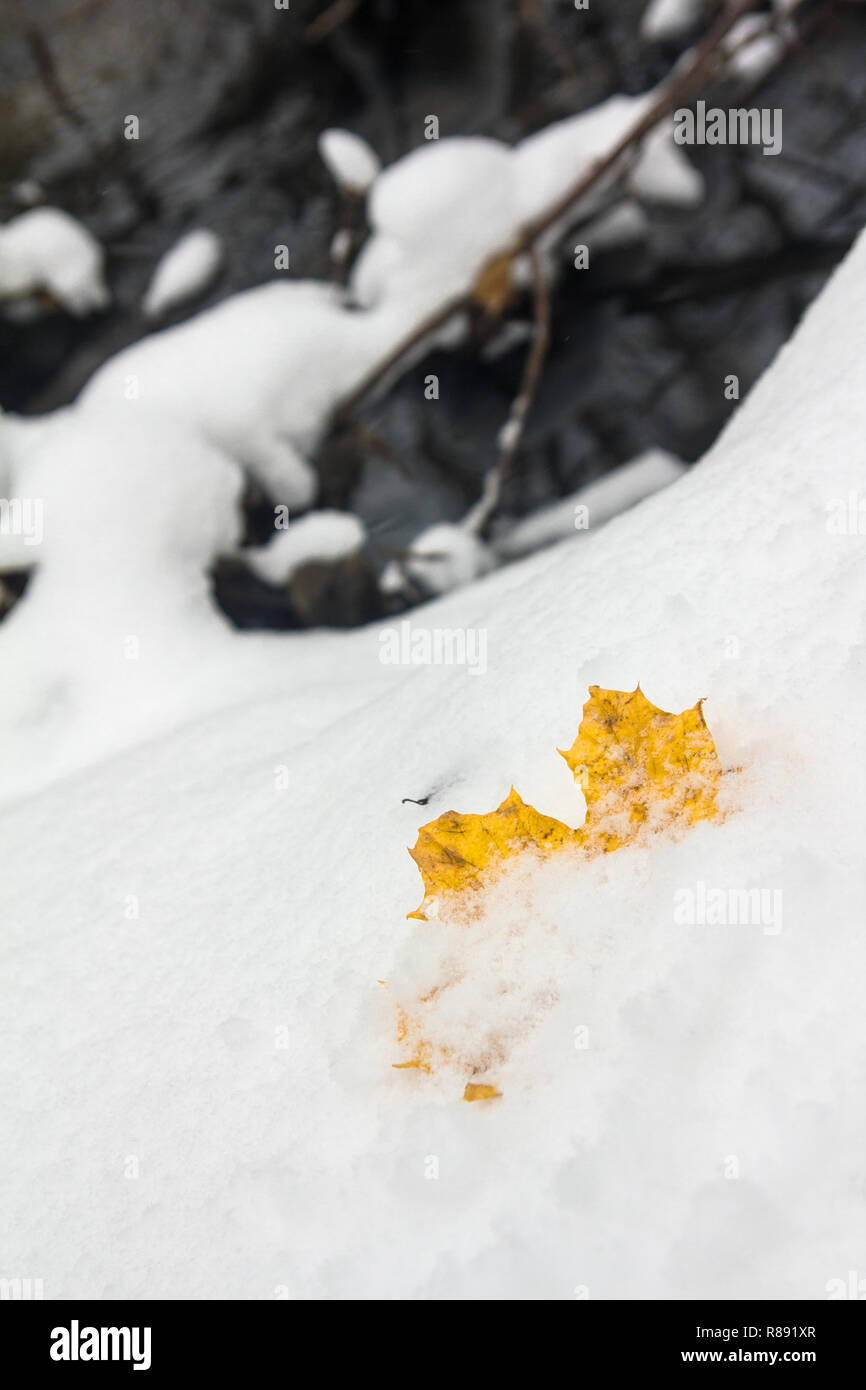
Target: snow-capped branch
(350, 161)
(703, 63)
(44, 249)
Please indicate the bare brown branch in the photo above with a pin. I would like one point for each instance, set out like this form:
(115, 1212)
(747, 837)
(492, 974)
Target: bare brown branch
(515, 425)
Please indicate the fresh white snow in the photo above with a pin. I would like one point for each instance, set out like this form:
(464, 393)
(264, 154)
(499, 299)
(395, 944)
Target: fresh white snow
(322, 535)
(437, 215)
(440, 213)
(258, 375)
(754, 49)
(668, 19)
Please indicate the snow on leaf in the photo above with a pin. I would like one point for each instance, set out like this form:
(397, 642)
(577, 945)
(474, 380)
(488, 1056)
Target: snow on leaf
(639, 769)
(452, 852)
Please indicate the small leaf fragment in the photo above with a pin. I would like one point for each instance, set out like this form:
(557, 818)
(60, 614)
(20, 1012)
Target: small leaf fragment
(477, 1091)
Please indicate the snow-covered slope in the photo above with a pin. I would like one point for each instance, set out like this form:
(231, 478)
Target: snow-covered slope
(197, 1064)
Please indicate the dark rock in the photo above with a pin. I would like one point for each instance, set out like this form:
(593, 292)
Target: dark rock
(340, 593)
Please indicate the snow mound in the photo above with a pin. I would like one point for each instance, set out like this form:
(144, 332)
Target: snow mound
(324, 535)
(437, 214)
(443, 557)
(118, 618)
(257, 375)
(440, 213)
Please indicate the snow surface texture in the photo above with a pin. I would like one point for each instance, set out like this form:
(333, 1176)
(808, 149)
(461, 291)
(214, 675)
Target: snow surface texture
(196, 1071)
(46, 249)
(185, 270)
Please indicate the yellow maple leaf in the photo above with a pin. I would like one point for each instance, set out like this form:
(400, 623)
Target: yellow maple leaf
(639, 767)
(641, 770)
(453, 850)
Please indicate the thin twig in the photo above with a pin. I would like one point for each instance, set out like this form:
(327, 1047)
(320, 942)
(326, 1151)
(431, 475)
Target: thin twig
(330, 19)
(513, 429)
(800, 30)
(705, 59)
(43, 59)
